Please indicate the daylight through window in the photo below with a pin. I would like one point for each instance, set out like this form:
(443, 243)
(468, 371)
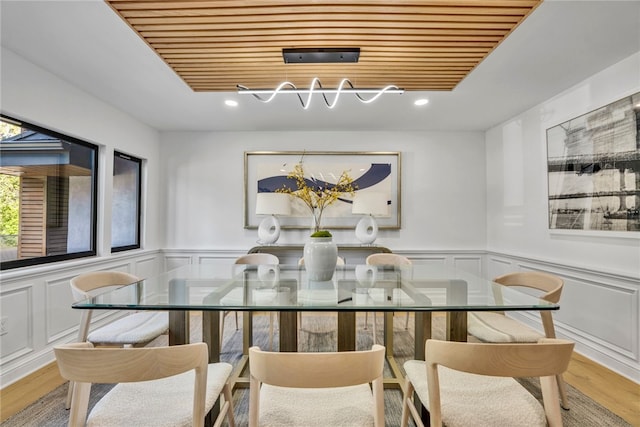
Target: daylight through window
(125, 212)
(47, 193)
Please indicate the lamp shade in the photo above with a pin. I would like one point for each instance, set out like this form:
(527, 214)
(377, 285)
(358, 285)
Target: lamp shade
(370, 203)
(273, 204)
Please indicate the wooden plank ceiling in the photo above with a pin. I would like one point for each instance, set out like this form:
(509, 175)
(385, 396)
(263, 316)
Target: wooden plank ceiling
(214, 45)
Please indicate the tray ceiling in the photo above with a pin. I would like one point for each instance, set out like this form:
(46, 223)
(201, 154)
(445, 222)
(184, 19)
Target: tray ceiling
(214, 45)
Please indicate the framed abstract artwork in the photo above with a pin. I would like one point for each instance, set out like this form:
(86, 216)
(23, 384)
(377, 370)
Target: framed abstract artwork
(593, 169)
(374, 173)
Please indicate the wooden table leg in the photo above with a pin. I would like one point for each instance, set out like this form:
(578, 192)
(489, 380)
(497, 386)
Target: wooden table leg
(247, 331)
(422, 333)
(457, 326)
(211, 334)
(346, 330)
(288, 331)
(178, 327)
(388, 332)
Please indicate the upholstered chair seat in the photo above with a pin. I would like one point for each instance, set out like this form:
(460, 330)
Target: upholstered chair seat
(496, 327)
(140, 327)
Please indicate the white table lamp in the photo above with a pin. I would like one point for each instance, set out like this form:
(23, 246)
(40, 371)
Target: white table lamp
(271, 204)
(368, 204)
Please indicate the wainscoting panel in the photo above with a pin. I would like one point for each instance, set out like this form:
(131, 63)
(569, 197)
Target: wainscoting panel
(146, 267)
(499, 267)
(470, 261)
(17, 311)
(424, 259)
(59, 314)
(607, 313)
(172, 262)
(221, 258)
(470, 264)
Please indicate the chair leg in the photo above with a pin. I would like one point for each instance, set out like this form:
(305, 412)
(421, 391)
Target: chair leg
(67, 403)
(236, 313)
(366, 320)
(406, 322)
(562, 389)
(271, 330)
(222, 316)
(228, 408)
(374, 329)
(408, 408)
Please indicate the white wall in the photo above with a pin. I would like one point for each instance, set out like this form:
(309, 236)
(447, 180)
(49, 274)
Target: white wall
(601, 300)
(517, 181)
(36, 300)
(443, 187)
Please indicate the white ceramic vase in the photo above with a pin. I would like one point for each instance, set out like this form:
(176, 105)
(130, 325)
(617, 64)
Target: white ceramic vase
(320, 257)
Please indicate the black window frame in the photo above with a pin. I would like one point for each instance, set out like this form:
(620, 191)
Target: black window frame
(137, 245)
(29, 262)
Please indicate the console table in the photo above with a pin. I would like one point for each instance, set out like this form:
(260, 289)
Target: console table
(290, 254)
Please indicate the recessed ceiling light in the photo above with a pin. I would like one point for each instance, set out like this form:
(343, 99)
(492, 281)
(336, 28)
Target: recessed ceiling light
(231, 103)
(421, 101)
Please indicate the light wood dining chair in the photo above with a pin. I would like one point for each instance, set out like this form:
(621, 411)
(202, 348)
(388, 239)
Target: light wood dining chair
(490, 326)
(386, 259)
(316, 389)
(249, 259)
(134, 329)
(467, 384)
(156, 386)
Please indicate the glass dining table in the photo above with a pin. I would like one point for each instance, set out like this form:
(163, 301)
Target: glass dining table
(286, 289)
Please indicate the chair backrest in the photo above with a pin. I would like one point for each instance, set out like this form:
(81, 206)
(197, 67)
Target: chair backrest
(545, 359)
(548, 283)
(316, 370)
(387, 259)
(84, 364)
(83, 284)
(258, 259)
(339, 261)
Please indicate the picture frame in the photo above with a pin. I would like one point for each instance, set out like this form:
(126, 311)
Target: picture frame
(592, 165)
(378, 172)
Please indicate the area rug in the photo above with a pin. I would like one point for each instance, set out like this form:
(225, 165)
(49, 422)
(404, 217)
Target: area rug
(317, 333)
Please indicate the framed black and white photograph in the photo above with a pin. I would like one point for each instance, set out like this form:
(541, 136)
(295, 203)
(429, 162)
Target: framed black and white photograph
(593, 167)
(375, 174)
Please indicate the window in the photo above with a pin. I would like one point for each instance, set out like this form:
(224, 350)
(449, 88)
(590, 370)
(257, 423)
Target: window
(125, 211)
(48, 190)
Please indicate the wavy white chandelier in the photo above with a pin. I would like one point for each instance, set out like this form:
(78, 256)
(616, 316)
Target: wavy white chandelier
(316, 87)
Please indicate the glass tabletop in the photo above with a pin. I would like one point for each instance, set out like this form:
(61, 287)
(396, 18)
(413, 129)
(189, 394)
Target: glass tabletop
(223, 286)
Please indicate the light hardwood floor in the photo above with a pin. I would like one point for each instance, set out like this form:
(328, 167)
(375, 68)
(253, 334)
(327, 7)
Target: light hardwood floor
(619, 394)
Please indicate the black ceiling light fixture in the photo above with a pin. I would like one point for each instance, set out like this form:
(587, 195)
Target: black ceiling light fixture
(319, 55)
